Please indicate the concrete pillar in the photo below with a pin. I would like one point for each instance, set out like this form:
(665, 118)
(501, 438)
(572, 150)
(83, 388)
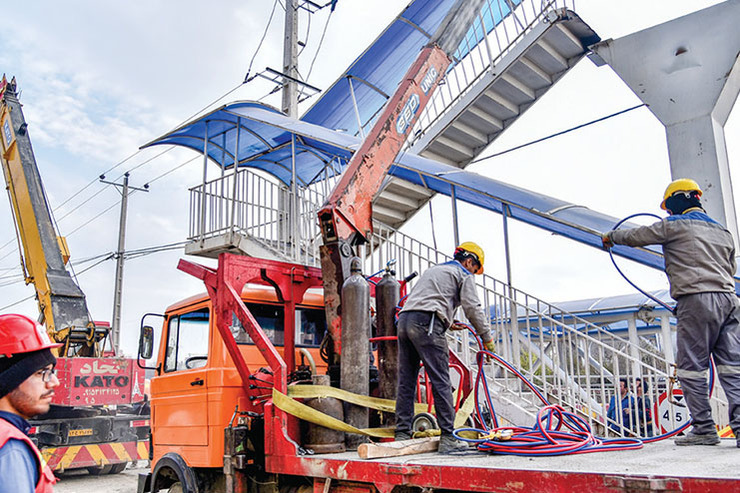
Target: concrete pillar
(687, 72)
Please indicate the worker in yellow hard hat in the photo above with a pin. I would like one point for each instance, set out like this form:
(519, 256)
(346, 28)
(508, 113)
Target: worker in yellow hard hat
(700, 263)
(426, 315)
(471, 250)
(680, 193)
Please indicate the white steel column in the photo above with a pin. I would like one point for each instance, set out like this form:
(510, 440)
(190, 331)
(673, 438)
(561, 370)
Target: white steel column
(202, 222)
(688, 74)
(235, 186)
(634, 345)
(666, 336)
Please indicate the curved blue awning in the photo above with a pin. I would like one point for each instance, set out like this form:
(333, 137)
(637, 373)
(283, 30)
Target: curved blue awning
(265, 139)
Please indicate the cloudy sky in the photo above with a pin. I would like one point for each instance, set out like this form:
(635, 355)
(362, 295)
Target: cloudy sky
(100, 79)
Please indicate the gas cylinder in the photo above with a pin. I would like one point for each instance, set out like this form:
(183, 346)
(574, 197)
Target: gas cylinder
(387, 294)
(355, 358)
(316, 437)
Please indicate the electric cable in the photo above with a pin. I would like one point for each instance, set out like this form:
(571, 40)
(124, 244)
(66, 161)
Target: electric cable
(2, 309)
(262, 39)
(557, 134)
(172, 170)
(308, 33)
(321, 43)
(611, 255)
(95, 180)
(92, 219)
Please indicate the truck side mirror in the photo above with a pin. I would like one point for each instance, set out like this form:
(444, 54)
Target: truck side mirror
(146, 342)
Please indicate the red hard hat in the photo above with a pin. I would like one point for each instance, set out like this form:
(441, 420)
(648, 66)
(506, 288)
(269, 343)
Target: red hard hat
(20, 334)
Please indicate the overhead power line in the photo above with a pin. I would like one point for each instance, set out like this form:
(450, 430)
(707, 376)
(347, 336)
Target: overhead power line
(557, 134)
(2, 309)
(262, 39)
(321, 43)
(95, 180)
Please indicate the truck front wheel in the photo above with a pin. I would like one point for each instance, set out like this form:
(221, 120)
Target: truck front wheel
(173, 475)
(175, 488)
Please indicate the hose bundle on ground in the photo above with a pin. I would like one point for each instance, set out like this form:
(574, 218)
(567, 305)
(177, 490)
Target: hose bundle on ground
(557, 431)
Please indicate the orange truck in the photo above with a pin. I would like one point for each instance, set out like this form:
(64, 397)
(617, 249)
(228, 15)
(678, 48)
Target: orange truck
(198, 388)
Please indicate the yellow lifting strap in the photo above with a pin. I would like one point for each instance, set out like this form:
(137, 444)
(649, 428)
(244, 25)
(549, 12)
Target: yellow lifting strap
(306, 413)
(312, 391)
(291, 406)
(464, 412)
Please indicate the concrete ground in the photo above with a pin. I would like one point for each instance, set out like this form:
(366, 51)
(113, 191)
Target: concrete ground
(81, 482)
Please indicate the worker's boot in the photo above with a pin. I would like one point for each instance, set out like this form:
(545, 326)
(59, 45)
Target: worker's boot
(402, 435)
(692, 438)
(449, 444)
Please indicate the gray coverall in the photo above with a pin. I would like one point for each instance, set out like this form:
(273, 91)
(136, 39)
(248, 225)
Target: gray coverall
(422, 323)
(699, 258)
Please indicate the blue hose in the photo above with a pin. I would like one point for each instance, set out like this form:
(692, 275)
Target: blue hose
(611, 255)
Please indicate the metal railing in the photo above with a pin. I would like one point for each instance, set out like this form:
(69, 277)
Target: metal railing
(512, 20)
(263, 209)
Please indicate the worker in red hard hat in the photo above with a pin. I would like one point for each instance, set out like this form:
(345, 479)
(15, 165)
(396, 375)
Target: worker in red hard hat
(426, 315)
(700, 263)
(27, 382)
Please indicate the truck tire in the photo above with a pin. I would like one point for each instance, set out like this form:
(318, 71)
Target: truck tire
(100, 470)
(173, 475)
(117, 468)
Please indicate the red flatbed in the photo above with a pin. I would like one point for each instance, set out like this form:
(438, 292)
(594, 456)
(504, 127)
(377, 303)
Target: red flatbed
(660, 466)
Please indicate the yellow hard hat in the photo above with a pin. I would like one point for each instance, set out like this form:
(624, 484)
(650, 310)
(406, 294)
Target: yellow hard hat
(473, 248)
(680, 185)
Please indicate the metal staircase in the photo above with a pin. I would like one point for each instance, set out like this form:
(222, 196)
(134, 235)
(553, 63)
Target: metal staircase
(487, 91)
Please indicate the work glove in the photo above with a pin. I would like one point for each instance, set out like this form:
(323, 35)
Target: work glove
(457, 325)
(606, 242)
(490, 348)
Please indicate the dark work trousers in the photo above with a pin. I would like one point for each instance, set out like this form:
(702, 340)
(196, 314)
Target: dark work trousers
(416, 343)
(708, 324)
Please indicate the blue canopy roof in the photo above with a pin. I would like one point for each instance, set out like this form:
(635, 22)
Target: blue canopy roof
(266, 136)
(265, 139)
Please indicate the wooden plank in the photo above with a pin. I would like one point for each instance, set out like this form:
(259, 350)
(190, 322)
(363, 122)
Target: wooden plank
(395, 449)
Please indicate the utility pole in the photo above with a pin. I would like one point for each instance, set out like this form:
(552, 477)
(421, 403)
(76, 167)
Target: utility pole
(125, 190)
(290, 108)
(290, 59)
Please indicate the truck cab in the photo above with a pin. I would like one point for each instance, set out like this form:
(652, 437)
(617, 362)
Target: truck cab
(197, 387)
